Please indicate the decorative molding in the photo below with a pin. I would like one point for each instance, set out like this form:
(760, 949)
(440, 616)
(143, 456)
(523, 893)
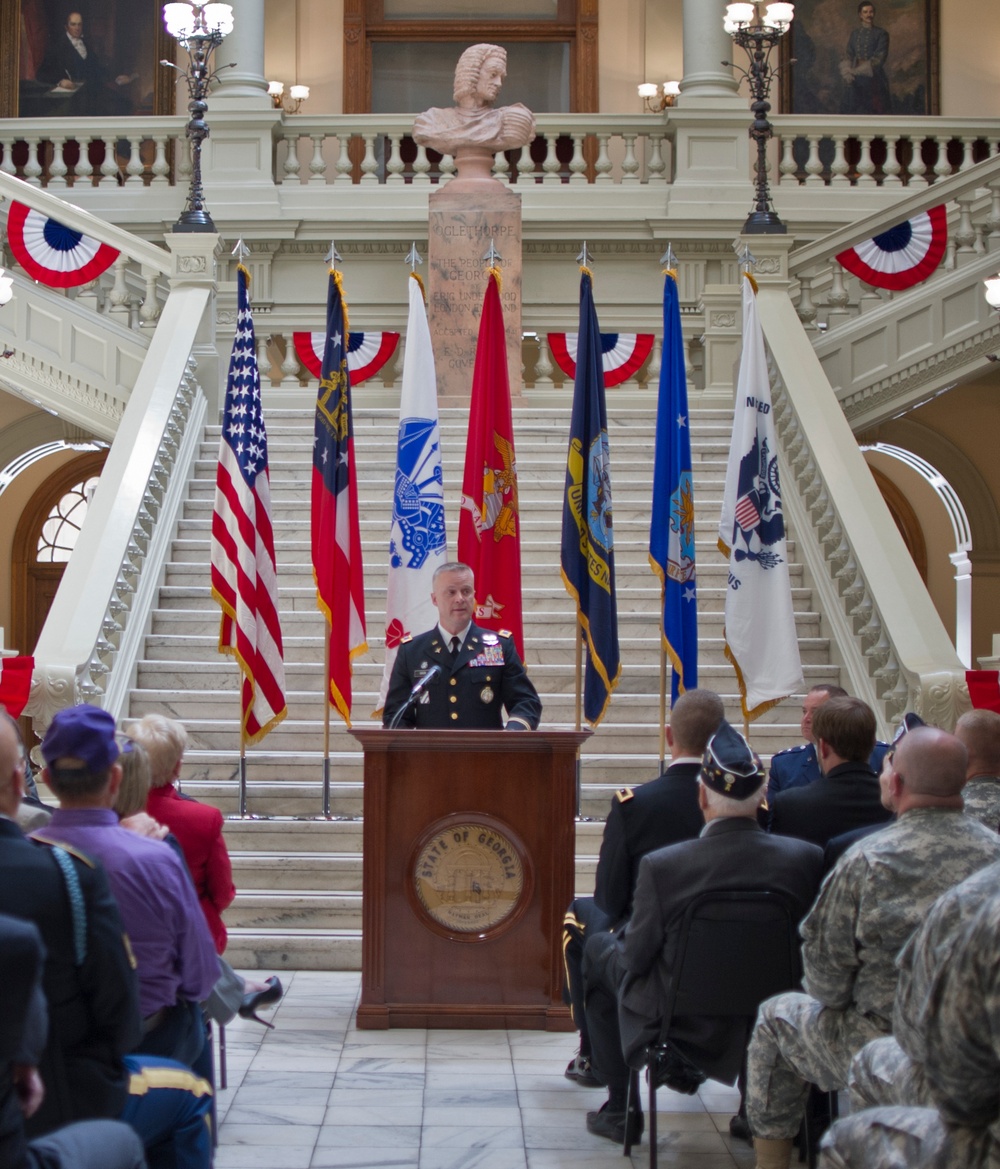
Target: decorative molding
(723, 320)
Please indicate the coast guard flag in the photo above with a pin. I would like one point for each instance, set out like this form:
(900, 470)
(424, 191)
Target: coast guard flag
(244, 581)
(15, 683)
(671, 524)
(417, 538)
(489, 524)
(336, 535)
(760, 626)
(588, 559)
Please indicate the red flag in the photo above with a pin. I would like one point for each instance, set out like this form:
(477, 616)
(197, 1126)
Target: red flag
(336, 533)
(489, 525)
(15, 683)
(984, 689)
(244, 581)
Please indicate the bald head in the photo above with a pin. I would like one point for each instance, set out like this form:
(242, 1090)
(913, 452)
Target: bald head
(11, 766)
(931, 764)
(979, 730)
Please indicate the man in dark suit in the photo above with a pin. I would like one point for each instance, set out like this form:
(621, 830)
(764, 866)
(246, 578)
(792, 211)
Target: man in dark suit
(641, 819)
(847, 794)
(72, 64)
(627, 976)
(457, 674)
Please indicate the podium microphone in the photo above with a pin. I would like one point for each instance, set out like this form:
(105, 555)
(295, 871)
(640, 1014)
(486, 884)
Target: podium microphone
(418, 688)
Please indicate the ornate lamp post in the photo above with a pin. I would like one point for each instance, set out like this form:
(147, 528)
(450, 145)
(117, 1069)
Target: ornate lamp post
(757, 38)
(199, 29)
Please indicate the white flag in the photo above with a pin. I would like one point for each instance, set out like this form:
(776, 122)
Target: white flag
(760, 625)
(417, 538)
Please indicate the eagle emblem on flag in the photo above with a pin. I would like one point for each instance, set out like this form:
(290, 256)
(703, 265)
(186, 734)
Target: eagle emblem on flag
(680, 545)
(499, 510)
(759, 521)
(418, 502)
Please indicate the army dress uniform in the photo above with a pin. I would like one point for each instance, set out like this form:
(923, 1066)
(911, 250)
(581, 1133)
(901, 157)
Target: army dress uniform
(483, 678)
(866, 911)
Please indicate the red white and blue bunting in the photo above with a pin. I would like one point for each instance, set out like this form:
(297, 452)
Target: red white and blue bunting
(622, 354)
(902, 256)
(366, 352)
(52, 253)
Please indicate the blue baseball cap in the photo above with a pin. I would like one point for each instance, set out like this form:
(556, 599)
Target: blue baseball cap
(81, 732)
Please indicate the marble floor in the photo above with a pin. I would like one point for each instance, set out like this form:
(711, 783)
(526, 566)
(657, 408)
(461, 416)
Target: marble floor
(316, 1093)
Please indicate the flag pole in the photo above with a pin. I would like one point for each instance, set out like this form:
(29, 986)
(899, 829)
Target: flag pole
(243, 773)
(663, 706)
(579, 674)
(326, 728)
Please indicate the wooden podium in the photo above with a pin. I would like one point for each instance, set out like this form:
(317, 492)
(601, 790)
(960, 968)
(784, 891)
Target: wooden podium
(469, 845)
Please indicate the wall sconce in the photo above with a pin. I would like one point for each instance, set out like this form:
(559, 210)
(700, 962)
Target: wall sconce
(297, 94)
(7, 288)
(651, 98)
(993, 300)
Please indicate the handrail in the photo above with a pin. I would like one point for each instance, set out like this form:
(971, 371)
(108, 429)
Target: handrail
(18, 190)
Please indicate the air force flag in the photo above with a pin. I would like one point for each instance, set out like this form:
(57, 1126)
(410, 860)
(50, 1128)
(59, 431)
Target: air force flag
(761, 641)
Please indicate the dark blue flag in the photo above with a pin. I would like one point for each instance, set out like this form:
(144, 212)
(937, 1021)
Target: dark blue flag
(588, 560)
(671, 523)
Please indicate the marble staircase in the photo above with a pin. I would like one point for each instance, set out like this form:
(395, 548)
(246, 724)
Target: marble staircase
(299, 874)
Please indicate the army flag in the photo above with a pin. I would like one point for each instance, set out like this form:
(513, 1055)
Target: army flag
(671, 524)
(760, 635)
(336, 535)
(417, 538)
(244, 578)
(15, 683)
(587, 556)
(489, 524)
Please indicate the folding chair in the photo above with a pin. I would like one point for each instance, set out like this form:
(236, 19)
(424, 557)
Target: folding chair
(734, 951)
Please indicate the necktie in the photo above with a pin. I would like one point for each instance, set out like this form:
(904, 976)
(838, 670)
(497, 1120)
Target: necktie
(455, 643)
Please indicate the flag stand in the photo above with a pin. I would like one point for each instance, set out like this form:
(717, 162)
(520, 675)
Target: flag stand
(579, 674)
(663, 707)
(326, 729)
(243, 778)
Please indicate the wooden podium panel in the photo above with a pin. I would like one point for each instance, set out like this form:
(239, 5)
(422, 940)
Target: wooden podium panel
(469, 844)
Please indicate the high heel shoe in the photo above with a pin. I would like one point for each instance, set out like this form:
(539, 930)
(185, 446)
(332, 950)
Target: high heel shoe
(261, 998)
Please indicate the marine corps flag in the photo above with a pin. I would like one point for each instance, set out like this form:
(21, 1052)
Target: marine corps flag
(671, 525)
(588, 560)
(336, 536)
(417, 538)
(760, 625)
(489, 524)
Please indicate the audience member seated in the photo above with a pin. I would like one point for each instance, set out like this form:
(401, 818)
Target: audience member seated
(626, 976)
(962, 1041)
(175, 956)
(89, 1144)
(846, 796)
(93, 994)
(979, 730)
(641, 819)
(867, 908)
(797, 766)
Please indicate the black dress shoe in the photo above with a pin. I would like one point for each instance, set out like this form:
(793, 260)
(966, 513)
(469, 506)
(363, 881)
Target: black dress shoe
(612, 1125)
(580, 1072)
(739, 1129)
(261, 998)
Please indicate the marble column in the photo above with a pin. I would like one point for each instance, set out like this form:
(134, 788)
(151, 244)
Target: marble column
(245, 85)
(706, 46)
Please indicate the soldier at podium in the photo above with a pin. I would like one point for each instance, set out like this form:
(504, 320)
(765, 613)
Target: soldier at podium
(459, 674)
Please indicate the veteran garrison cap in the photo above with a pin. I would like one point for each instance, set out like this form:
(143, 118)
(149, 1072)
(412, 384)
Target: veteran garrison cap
(910, 722)
(730, 766)
(81, 732)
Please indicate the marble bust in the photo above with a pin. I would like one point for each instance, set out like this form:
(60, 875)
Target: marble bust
(472, 124)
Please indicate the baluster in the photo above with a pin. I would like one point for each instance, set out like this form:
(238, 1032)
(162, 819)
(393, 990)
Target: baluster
(656, 164)
(292, 166)
(942, 167)
(814, 168)
(993, 219)
(578, 164)
(964, 233)
(7, 164)
(603, 165)
(839, 168)
(87, 296)
(837, 298)
(968, 147)
(447, 168)
(344, 166)
(109, 165)
(57, 167)
(263, 361)
(806, 306)
(543, 366)
(920, 171)
(119, 296)
(550, 164)
(317, 164)
(525, 166)
(135, 169)
(787, 168)
(160, 168)
(421, 166)
(656, 361)
(866, 168)
(290, 365)
(892, 168)
(32, 168)
(149, 312)
(369, 164)
(501, 168)
(183, 152)
(395, 166)
(630, 164)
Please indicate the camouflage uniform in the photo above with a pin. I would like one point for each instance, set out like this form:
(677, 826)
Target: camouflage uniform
(982, 800)
(866, 910)
(891, 1070)
(962, 1036)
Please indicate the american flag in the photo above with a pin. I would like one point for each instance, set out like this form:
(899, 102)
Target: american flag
(244, 580)
(336, 534)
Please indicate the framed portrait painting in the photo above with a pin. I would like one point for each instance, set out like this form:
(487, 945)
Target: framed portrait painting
(855, 58)
(89, 58)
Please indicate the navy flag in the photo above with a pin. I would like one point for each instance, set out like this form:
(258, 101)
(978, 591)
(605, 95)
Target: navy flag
(671, 525)
(588, 560)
